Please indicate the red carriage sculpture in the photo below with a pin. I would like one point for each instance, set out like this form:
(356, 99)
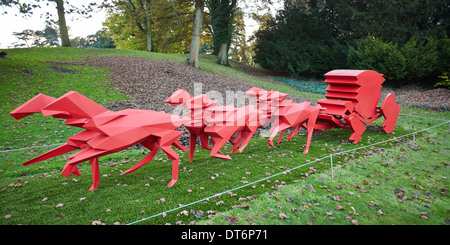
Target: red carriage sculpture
(351, 101)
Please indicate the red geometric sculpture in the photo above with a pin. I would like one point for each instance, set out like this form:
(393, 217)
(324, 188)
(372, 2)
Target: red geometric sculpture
(194, 120)
(284, 114)
(351, 102)
(225, 121)
(105, 132)
(207, 121)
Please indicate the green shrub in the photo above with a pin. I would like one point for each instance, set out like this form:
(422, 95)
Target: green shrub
(373, 54)
(422, 58)
(445, 82)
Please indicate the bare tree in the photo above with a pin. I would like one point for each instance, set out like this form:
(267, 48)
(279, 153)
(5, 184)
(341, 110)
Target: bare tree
(64, 33)
(196, 33)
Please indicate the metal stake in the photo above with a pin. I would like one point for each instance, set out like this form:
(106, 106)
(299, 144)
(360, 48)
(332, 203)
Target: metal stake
(331, 161)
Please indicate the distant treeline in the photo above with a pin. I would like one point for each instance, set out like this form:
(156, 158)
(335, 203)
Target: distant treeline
(406, 40)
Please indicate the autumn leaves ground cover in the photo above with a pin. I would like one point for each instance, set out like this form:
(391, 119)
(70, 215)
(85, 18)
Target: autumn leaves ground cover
(391, 183)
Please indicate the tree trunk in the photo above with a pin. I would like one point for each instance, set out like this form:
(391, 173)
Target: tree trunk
(149, 34)
(65, 41)
(196, 32)
(222, 57)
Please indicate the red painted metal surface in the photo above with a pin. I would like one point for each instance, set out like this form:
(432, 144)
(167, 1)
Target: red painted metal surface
(284, 114)
(193, 121)
(351, 102)
(208, 121)
(104, 132)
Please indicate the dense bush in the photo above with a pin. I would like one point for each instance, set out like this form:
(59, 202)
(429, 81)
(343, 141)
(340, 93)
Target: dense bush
(297, 43)
(422, 58)
(418, 61)
(373, 54)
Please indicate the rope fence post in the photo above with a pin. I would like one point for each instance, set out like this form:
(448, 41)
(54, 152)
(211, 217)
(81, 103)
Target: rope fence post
(331, 162)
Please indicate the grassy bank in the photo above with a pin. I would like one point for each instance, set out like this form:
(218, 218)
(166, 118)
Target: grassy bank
(39, 194)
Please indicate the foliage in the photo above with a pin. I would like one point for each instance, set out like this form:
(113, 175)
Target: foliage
(394, 21)
(373, 54)
(171, 25)
(124, 34)
(100, 39)
(406, 41)
(49, 37)
(239, 48)
(222, 12)
(445, 82)
(422, 58)
(295, 42)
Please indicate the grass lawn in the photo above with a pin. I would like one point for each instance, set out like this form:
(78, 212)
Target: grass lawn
(389, 183)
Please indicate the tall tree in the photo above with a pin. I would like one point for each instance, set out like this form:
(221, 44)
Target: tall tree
(162, 25)
(65, 41)
(196, 33)
(222, 13)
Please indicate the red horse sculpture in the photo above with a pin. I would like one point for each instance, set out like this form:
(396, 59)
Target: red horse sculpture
(207, 121)
(285, 114)
(105, 132)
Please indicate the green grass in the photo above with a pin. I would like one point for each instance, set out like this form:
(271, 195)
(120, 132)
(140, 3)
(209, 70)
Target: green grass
(31, 194)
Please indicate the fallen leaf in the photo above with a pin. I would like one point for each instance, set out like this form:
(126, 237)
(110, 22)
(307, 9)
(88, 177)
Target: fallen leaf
(97, 222)
(160, 200)
(311, 188)
(355, 222)
(283, 216)
(339, 207)
(230, 220)
(337, 198)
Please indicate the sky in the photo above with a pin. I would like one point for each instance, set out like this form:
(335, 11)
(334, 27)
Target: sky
(13, 21)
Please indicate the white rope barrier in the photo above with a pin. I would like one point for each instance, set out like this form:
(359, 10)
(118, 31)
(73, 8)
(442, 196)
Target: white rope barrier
(29, 148)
